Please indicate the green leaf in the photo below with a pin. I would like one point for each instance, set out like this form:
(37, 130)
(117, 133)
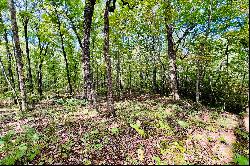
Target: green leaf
(241, 160)
(114, 130)
(35, 137)
(137, 128)
(23, 147)
(183, 124)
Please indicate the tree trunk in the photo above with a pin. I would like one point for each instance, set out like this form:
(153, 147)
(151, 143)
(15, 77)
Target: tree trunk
(9, 55)
(155, 88)
(110, 100)
(97, 78)
(18, 53)
(11, 87)
(130, 77)
(172, 60)
(25, 26)
(154, 82)
(39, 73)
(197, 85)
(54, 76)
(65, 56)
(16, 68)
(88, 14)
(75, 31)
(199, 67)
(118, 71)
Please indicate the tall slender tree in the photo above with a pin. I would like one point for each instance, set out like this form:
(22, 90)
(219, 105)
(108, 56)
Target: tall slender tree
(110, 100)
(18, 53)
(25, 22)
(64, 53)
(8, 81)
(9, 55)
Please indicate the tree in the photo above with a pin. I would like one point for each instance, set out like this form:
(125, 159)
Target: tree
(171, 54)
(18, 54)
(197, 50)
(25, 21)
(9, 55)
(110, 100)
(9, 83)
(64, 53)
(88, 14)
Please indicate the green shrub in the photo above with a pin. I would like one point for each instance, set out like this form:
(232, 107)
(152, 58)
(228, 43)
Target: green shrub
(19, 148)
(71, 102)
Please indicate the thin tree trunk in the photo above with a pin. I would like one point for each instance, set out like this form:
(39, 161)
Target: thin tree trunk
(172, 60)
(67, 65)
(197, 85)
(16, 68)
(110, 100)
(75, 31)
(9, 83)
(97, 78)
(118, 71)
(54, 75)
(9, 55)
(88, 14)
(154, 79)
(75, 76)
(39, 73)
(25, 26)
(199, 67)
(130, 77)
(65, 56)
(154, 66)
(18, 53)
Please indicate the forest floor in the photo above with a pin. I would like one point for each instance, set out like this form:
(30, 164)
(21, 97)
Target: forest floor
(147, 129)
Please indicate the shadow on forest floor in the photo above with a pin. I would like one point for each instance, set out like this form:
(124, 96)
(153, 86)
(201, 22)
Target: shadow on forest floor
(148, 129)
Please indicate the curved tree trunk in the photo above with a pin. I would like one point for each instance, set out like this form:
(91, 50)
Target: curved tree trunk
(18, 53)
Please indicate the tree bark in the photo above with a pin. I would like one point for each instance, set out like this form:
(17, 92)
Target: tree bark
(118, 72)
(25, 26)
(9, 55)
(197, 85)
(40, 65)
(172, 60)
(65, 56)
(18, 54)
(16, 68)
(75, 31)
(88, 14)
(199, 67)
(155, 88)
(110, 100)
(11, 87)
